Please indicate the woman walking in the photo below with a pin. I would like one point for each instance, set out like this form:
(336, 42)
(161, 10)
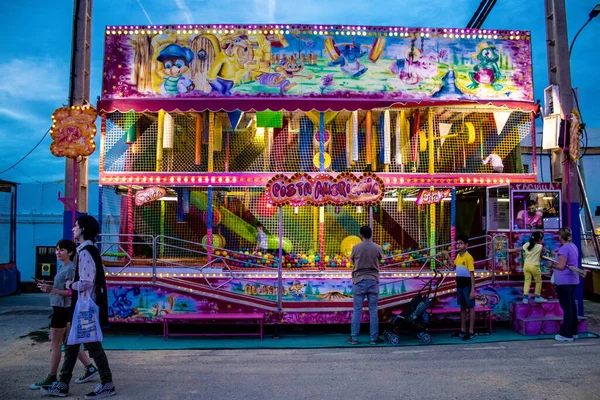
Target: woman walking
(60, 300)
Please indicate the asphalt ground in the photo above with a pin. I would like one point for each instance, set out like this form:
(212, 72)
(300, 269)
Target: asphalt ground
(541, 369)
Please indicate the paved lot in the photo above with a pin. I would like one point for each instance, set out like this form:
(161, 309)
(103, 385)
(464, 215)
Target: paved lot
(512, 370)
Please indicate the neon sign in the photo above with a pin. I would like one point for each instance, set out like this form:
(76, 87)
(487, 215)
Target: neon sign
(148, 195)
(428, 196)
(324, 189)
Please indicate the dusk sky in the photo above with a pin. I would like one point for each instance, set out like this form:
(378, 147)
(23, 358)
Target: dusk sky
(35, 53)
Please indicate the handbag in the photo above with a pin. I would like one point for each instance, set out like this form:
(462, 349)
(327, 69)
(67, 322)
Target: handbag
(85, 327)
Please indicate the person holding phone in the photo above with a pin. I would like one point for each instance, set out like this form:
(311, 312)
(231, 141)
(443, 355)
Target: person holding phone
(60, 300)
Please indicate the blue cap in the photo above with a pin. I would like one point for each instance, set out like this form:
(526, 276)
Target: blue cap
(176, 51)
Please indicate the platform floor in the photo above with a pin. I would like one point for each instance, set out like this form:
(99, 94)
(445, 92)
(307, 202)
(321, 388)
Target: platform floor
(154, 340)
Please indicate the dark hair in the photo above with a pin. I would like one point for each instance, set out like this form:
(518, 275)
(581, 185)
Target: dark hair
(366, 232)
(565, 233)
(69, 246)
(531, 203)
(463, 238)
(535, 237)
(89, 226)
(259, 225)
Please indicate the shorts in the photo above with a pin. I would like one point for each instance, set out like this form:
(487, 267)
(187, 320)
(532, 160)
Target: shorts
(60, 317)
(462, 297)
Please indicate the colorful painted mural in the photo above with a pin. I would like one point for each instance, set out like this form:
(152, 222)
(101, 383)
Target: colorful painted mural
(551, 243)
(247, 61)
(148, 303)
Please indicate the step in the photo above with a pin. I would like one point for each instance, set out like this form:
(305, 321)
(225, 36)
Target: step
(543, 326)
(518, 310)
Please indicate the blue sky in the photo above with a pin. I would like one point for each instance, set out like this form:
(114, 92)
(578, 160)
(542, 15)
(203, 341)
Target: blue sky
(35, 54)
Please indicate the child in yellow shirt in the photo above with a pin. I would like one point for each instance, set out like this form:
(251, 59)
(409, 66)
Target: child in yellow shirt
(531, 266)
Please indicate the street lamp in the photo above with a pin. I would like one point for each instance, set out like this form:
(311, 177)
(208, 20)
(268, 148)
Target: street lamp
(593, 14)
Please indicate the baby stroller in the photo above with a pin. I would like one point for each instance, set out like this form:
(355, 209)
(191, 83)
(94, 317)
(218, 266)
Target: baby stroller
(416, 314)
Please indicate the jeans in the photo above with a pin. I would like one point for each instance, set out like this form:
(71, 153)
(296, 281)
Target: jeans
(566, 298)
(532, 271)
(96, 352)
(369, 289)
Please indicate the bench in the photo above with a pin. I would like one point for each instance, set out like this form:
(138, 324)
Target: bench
(479, 310)
(212, 317)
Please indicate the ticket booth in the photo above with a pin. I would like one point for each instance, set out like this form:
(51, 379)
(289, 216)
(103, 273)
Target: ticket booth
(516, 210)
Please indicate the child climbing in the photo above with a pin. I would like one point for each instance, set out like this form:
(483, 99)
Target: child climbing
(531, 266)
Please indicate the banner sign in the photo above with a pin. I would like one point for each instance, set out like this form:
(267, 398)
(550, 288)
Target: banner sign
(324, 189)
(150, 194)
(316, 61)
(539, 186)
(432, 196)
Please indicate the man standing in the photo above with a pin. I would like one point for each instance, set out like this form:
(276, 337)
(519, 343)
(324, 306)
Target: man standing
(365, 283)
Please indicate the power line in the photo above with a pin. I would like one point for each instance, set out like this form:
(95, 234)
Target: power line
(28, 153)
(481, 14)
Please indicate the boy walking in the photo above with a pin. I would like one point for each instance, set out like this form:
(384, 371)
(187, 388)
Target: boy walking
(365, 283)
(465, 287)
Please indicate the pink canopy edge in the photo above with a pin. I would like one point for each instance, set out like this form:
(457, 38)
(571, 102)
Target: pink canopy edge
(287, 104)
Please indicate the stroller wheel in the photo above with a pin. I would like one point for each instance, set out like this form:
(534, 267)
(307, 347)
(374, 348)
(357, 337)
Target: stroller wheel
(394, 339)
(420, 335)
(426, 338)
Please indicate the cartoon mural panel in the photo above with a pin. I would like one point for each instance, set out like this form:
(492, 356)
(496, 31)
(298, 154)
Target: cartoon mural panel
(246, 61)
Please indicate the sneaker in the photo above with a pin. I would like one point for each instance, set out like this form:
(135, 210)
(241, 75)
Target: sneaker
(540, 299)
(58, 389)
(46, 382)
(562, 338)
(376, 342)
(352, 341)
(468, 337)
(101, 391)
(458, 334)
(90, 373)
(525, 300)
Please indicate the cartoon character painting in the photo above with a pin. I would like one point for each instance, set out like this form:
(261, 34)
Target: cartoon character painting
(233, 63)
(289, 67)
(486, 72)
(348, 55)
(176, 60)
(122, 306)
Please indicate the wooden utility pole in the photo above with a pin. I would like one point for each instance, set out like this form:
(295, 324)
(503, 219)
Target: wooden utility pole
(76, 171)
(559, 73)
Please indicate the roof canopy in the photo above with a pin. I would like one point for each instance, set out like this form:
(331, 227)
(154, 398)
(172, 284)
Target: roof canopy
(306, 67)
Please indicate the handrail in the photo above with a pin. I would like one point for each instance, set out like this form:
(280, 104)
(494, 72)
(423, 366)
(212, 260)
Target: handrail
(162, 240)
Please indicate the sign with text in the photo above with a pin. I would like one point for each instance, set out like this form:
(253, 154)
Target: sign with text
(538, 186)
(148, 195)
(432, 196)
(323, 189)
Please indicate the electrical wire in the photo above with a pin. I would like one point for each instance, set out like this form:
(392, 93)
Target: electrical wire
(584, 138)
(28, 153)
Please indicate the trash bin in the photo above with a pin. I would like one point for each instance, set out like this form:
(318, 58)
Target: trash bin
(45, 262)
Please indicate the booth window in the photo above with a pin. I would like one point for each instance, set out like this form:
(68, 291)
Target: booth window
(536, 210)
(498, 208)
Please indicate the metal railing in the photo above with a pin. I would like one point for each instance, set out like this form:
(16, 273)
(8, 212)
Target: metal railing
(161, 245)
